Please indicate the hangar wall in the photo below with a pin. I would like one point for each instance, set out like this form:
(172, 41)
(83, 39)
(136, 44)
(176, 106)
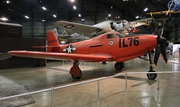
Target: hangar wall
(7, 44)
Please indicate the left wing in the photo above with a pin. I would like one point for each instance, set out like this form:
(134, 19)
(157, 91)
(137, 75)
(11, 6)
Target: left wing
(60, 56)
(4, 56)
(140, 22)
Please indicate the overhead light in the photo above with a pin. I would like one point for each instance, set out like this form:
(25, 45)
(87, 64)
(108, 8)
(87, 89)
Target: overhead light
(72, 1)
(54, 15)
(8, 1)
(137, 17)
(26, 17)
(74, 7)
(109, 15)
(4, 19)
(43, 20)
(145, 9)
(43, 8)
(79, 15)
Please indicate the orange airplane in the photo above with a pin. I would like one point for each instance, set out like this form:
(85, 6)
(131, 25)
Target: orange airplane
(111, 46)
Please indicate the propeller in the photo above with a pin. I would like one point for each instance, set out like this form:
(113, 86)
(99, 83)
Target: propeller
(160, 48)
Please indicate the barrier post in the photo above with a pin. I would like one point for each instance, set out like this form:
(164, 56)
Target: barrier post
(158, 84)
(98, 99)
(126, 82)
(52, 97)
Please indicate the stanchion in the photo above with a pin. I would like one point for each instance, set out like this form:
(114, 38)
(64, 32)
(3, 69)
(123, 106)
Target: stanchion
(126, 82)
(98, 84)
(52, 97)
(158, 84)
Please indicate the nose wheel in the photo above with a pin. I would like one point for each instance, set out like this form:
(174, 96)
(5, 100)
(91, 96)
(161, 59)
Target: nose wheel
(152, 76)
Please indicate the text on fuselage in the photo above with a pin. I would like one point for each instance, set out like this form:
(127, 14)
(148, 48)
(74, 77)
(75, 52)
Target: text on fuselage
(128, 42)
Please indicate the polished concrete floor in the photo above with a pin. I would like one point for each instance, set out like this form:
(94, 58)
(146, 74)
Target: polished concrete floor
(141, 92)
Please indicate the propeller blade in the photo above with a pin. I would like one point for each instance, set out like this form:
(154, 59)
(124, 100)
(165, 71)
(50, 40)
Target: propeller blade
(163, 52)
(157, 53)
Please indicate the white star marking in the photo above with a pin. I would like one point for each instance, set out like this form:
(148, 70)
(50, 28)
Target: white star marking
(69, 49)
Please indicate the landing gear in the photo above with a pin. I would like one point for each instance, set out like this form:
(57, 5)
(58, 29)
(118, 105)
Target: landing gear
(151, 76)
(104, 62)
(75, 71)
(119, 66)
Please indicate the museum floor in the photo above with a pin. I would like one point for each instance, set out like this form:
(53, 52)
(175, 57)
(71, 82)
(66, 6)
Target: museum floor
(141, 92)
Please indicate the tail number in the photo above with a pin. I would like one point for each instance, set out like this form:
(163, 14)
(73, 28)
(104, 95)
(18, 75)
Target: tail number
(128, 42)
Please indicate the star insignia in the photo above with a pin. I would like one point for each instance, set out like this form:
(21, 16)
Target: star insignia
(69, 49)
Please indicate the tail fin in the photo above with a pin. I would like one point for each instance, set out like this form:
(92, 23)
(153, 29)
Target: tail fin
(52, 42)
(52, 39)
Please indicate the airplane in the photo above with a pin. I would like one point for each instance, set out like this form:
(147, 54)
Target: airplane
(72, 37)
(110, 46)
(123, 26)
(173, 7)
(10, 24)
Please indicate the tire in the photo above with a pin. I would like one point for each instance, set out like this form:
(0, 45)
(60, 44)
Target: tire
(76, 77)
(152, 76)
(119, 66)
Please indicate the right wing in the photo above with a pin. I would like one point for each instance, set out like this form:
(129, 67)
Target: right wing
(87, 30)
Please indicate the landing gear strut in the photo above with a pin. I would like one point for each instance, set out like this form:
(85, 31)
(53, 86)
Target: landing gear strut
(151, 76)
(119, 66)
(75, 71)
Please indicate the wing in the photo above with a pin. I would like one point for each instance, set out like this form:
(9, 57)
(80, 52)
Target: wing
(140, 22)
(4, 56)
(61, 56)
(82, 29)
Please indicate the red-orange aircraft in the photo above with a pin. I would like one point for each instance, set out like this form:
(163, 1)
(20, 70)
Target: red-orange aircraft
(110, 46)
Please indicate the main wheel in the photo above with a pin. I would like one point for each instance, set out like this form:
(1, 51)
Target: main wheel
(152, 76)
(119, 66)
(76, 77)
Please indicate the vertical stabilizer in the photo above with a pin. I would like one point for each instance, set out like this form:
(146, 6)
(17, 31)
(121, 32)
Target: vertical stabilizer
(52, 39)
(52, 42)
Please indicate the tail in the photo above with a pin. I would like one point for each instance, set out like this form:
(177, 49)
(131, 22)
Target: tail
(52, 42)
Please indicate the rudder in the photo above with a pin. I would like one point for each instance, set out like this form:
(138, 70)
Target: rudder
(52, 42)
(52, 39)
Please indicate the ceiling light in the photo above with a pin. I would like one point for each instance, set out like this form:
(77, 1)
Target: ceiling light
(43, 8)
(109, 15)
(74, 7)
(79, 15)
(145, 9)
(72, 1)
(26, 17)
(137, 17)
(8, 1)
(4, 19)
(43, 20)
(54, 15)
